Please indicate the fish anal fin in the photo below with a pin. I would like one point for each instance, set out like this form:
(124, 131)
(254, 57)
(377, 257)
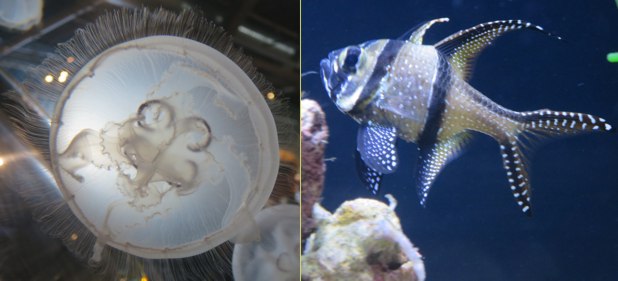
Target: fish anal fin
(432, 158)
(417, 35)
(463, 47)
(516, 173)
(376, 146)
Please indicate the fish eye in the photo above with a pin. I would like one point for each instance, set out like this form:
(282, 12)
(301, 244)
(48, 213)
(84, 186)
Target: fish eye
(351, 59)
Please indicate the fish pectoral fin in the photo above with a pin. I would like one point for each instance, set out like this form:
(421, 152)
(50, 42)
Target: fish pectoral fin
(376, 146)
(463, 47)
(517, 173)
(417, 35)
(370, 177)
(433, 157)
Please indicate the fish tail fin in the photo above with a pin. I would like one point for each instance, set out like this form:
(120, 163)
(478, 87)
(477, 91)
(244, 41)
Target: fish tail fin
(540, 123)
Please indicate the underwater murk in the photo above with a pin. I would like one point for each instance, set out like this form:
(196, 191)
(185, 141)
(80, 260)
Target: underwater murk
(153, 152)
(424, 86)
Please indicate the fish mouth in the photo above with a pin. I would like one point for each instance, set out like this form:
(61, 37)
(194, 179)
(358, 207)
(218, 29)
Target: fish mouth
(332, 83)
(325, 73)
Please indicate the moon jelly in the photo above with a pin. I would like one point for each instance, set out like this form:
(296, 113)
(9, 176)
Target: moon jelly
(159, 141)
(162, 146)
(20, 14)
(276, 255)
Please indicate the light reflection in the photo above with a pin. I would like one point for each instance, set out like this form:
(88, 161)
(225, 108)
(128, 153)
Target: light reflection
(267, 40)
(74, 236)
(1, 161)
(49, 78)
(270, 95)
(63, 76)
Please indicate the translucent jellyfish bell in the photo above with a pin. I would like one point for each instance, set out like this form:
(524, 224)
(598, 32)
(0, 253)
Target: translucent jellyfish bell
(162, 146)
(20, 14)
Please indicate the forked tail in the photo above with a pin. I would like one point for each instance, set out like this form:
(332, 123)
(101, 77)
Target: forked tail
(540, 122)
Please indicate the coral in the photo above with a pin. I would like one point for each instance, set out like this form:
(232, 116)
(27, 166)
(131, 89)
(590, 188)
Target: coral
(314, 138)
(361, 241)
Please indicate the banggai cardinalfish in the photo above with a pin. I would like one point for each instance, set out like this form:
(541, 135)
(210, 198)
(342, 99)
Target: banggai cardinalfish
(420, 93)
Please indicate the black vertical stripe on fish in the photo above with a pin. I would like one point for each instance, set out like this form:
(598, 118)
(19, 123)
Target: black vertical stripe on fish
(429, 135)
(436, 108)
(385, 59)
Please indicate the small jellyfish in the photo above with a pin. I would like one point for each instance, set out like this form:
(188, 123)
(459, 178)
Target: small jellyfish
(159, 142)
(20, 15)
(275, 255)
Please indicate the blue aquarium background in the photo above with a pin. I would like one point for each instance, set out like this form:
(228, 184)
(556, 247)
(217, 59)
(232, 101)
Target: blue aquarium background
(472, 228)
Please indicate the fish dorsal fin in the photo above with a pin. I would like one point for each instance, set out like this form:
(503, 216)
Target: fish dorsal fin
(464, 46)
(432, 158)
(370, 177)
(376, 146)
(417, 35)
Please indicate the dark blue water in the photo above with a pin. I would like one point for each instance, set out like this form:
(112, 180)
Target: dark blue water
(472, 229)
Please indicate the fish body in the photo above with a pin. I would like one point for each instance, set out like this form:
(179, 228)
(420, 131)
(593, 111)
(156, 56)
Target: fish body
(420, 93)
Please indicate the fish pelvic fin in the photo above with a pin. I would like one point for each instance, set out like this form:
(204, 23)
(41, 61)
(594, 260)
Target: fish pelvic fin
(433, 157)
(370, 178)
(376, 145)
(376, 154)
